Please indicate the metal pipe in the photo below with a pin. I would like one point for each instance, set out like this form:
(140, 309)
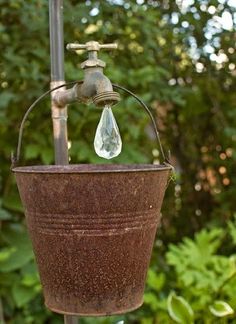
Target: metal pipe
(59, 114)
(69, 319)
(59, 120)
(56, 39)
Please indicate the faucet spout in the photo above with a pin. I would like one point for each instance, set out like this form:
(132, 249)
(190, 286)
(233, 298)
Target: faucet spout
(95, 82)
(98, 87)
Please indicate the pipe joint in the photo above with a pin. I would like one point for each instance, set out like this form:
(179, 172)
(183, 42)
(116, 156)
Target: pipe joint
(63, 97)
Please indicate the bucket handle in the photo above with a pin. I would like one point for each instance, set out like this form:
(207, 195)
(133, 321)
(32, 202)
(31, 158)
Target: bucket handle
(16, 158)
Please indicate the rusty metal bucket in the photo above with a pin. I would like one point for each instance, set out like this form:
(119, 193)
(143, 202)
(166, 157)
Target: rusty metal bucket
(92, 228)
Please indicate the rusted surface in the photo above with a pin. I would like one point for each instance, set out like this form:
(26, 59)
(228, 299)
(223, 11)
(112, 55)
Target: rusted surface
(93, 229)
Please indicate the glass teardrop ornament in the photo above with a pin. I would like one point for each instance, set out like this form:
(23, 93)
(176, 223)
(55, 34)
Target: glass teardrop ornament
(107, 142)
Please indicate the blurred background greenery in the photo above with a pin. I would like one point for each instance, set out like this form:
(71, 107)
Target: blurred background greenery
(179, 56)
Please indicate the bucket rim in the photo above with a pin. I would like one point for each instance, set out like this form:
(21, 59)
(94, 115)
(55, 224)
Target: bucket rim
(91, 168)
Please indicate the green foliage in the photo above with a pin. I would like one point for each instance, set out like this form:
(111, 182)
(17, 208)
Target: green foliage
(179, 310)
(18, 251)
(205, 286)
(221, 309)
(182, 65)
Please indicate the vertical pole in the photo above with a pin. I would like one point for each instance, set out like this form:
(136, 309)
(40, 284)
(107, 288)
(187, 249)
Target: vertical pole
(59, 115)
(69, 319)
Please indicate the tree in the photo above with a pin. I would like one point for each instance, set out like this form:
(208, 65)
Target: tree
(179, 57)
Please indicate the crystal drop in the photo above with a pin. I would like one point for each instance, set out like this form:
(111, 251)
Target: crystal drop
(107, 142)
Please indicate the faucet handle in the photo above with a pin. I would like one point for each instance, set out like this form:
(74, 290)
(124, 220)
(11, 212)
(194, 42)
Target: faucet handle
(91, 46)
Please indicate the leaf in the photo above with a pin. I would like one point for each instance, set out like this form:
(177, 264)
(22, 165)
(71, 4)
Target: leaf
(221, 308)
(195, 253)
(151, 300)
(147, 321)
(179, 309)
(20, 250)
(47, 156)
(232, 231)
(155, 281)
(15, 236)
(232, 265)
(30, 280)
(32, 151)
(22, 295)
(5, 253)
(13, 203)
(16, 260)
(5, 98)
(7, 279)
(4, 215)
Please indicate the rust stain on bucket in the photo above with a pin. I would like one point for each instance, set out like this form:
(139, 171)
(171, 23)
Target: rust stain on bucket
(93, 229)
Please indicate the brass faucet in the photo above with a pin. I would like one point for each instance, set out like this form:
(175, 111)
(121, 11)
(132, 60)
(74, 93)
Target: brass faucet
(96, 87)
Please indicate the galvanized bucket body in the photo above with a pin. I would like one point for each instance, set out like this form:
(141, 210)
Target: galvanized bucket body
(93, 229)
